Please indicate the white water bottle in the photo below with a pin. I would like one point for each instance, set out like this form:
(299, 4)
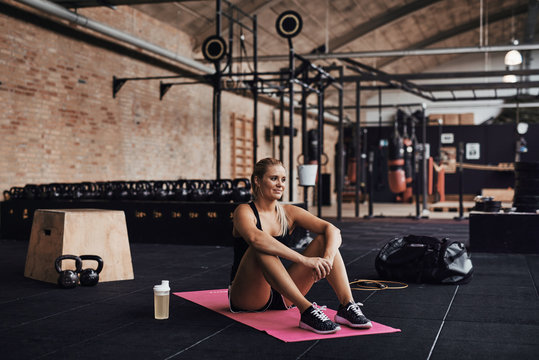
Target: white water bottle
(161, 298)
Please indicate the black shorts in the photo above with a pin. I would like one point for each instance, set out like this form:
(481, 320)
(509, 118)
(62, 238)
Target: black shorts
(275, 302)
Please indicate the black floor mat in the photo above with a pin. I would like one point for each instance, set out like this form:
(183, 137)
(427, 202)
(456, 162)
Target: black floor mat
(495, 316)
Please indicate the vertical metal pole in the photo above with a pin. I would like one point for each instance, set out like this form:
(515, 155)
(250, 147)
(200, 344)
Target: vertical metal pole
(218, 17)
(319, 154)
(255, 91)
(340, 149)
(281, 128)
(217, 115)
(304, 144)
(370, 184)
(379, 116)
(460, 179)
(424, 165)
(291, 116)
(217, 98)
(357, 145)
(230, 41)
(415, 173)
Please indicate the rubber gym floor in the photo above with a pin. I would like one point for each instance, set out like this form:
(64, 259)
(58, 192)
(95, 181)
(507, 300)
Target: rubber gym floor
(495, 316)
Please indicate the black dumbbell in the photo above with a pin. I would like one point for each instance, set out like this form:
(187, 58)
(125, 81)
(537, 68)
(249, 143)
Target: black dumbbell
(68, 278)
(90, 277)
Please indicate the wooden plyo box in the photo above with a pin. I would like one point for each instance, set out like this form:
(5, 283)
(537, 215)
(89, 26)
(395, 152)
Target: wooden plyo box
(79, 232)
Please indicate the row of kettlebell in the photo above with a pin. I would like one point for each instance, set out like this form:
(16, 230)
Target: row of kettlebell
(224, 190)
(68, 279)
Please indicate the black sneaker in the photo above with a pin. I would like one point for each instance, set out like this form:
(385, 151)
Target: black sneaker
(315, 320)
(351, 315)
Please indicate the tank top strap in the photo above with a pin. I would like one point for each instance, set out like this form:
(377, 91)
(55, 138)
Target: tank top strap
(258, 223)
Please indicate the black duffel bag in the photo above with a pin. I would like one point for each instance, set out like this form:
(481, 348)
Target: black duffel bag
(424, 259)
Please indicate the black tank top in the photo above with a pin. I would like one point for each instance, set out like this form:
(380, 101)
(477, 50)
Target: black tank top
(241, 246)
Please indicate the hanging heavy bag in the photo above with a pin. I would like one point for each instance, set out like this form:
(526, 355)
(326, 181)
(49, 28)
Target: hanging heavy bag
(424, 259)
(395, 163)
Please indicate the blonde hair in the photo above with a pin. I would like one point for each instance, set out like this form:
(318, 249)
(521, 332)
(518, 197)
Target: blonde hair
(260, 169)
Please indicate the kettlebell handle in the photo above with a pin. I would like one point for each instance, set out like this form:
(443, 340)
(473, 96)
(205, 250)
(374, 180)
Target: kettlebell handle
(59, 259)
(95, 258)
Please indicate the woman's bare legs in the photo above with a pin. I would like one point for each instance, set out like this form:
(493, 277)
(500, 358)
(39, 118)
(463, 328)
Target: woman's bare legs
(304, 278)
(259, 272)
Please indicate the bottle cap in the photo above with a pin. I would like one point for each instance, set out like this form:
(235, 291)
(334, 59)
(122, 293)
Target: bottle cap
(162, 289)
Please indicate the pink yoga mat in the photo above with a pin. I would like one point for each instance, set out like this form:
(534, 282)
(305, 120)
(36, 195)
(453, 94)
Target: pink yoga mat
(282, 324)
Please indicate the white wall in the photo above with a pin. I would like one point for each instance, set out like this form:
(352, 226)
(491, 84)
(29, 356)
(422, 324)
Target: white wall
(483, 110)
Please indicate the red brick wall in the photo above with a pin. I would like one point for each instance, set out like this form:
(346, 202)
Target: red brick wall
(60, 123)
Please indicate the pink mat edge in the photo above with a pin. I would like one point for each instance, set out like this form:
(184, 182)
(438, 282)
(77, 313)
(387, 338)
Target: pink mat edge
(294, 334)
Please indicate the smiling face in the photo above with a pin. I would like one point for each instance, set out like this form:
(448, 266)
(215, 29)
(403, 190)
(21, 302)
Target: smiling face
(272, 184)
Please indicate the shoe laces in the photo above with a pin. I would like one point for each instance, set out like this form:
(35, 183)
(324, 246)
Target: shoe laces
(355, 308)
(318, 313)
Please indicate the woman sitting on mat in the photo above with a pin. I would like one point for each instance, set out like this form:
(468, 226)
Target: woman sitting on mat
(259, 280)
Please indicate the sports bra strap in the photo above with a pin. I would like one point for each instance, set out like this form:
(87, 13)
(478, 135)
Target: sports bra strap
(258, 223)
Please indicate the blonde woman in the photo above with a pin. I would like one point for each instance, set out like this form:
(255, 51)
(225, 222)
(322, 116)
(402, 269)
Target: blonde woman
(260, 281)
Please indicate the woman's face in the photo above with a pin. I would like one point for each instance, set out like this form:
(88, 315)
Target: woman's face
(272, 184)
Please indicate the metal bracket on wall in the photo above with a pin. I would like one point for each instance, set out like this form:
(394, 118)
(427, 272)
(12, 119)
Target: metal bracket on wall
(117, 83)
(165, 87)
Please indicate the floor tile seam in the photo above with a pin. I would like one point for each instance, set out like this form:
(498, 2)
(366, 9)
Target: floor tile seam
(308, 349)
(149, 268)
(534, 281)
(510, 307)
(77, 308)
(443, 322)
(493, 341)
(88, 339)
(25, 297)
(199, 342)
(360, 257)
(426, 303)
(490, 322)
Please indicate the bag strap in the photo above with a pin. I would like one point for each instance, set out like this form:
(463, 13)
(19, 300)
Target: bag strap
(446, 245)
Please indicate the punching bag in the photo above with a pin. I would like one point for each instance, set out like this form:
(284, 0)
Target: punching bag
(408, 170)
(396, 175)
(312, 147)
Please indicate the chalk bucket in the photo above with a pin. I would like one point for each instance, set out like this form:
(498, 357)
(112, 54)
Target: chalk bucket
(307, 174)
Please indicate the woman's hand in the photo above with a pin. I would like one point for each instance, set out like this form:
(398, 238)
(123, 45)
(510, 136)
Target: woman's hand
(321, 266)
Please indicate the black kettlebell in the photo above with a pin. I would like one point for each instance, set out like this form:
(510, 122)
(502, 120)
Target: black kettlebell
(90, 277)
(68, 278)
(222, 190)
(241, 193)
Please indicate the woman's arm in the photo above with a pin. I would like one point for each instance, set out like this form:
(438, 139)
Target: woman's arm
(306, 220)
(245, 226)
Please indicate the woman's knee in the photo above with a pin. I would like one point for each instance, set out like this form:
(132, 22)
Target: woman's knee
(316, 246)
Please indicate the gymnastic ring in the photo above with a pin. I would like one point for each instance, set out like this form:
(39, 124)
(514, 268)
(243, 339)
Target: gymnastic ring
(214, 48)
(327, 159)
(289, 24)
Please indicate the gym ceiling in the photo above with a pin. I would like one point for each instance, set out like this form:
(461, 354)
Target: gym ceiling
(386, 35)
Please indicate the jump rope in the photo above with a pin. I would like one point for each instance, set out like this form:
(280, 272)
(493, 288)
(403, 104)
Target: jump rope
(364, 284)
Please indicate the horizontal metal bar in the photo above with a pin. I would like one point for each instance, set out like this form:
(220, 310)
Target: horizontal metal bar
(152, 78)
(258, 73)
(185, 83)
(440, 75)
(350, 107)
(479, 86)
(410, 52)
